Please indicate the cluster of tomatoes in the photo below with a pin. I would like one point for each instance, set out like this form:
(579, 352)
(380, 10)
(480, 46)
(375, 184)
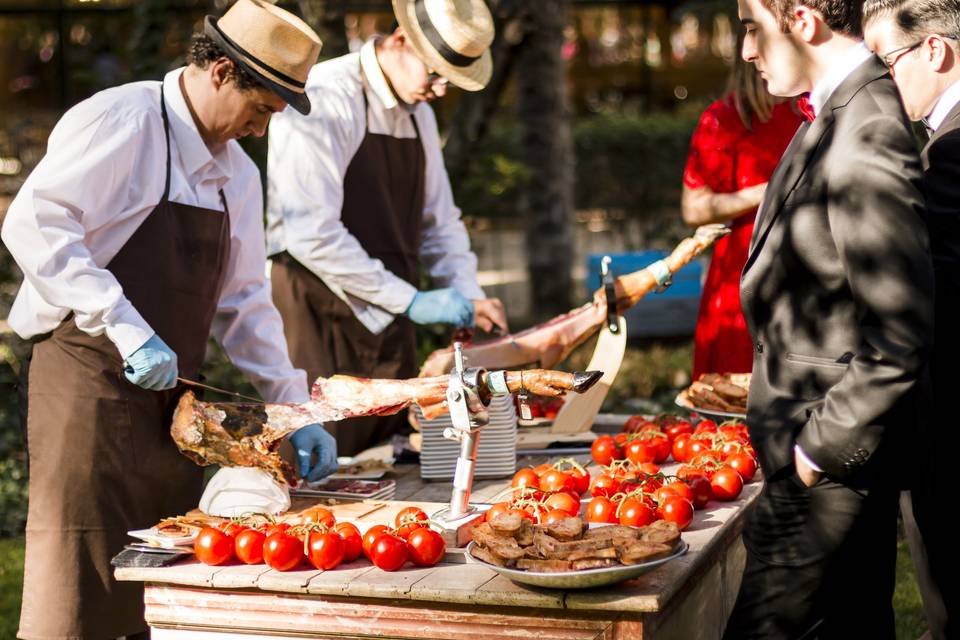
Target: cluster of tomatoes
(547, 493)
(715, 460)
(315, 537)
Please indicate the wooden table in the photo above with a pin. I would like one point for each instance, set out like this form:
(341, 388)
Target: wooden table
(690, 597)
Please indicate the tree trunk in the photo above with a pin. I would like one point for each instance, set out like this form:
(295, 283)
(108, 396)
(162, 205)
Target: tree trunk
(327, 19)
(548, 152)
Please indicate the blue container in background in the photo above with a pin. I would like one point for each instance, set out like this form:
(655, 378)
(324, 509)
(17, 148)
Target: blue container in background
(671, 313)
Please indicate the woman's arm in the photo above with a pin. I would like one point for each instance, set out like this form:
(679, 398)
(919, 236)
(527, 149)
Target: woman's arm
(703, 206)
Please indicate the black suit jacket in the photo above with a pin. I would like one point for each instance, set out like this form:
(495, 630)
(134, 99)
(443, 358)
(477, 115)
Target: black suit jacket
(838, 287)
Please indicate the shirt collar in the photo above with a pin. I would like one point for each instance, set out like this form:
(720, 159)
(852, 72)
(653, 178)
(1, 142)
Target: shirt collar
(374, 74)
(944, 106)
(840, 71)
(194, 153)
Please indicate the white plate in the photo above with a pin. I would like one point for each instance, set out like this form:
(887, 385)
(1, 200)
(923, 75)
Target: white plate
(683, 401)
(583, 579)
(155, 538)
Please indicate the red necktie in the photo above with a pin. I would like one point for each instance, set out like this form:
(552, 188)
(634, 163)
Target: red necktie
(806, 107)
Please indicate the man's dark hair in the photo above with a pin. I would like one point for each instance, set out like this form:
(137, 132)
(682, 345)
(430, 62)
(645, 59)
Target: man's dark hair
(917, 18)
(842, 16)
(204, 51)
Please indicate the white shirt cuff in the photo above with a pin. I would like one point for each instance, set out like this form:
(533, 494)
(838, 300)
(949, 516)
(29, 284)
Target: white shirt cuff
(806, 459)
(129, 332)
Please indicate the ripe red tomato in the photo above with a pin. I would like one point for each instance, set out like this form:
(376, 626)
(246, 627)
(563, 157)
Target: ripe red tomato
(526, 478)
(605, 485)
(601, 509)
(649, 468)
(702, 493)
(556, 480)
(248, 546)
(681, 447)
(675, 488)
(706, 426)
(352, 540)
(213, 546)
(581, 480)
(677, 428)
(677, 510)
(410, 514)
(371, 535)
(726, 483)
(320, 515)
(496, 510)
(389, 552)
(282, 551)
(563, 502)
(325, 550)
(231, 528)
(697, 445)
(640, 451)
(635, 424)
(605, 450)
(635, 513)
(686, 471)
(541, 469)
(271, 529)
(745, 465)
(553, 515)
(426, 547)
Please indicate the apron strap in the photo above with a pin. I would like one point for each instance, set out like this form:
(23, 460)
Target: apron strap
(166, 133)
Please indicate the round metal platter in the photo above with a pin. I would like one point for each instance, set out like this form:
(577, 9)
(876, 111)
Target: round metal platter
(683, 401)
(583, 579)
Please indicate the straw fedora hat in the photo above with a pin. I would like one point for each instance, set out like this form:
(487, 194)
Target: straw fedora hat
(275, 46)
(452, 37)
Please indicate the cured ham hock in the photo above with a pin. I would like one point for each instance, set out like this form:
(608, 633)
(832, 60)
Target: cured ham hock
(551, 342)
(235, 434)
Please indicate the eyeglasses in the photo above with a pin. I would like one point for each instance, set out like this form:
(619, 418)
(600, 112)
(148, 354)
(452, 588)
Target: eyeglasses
(892, 57)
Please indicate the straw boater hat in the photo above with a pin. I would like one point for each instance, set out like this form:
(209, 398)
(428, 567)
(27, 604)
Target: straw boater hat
(275, 46)
(452, 37)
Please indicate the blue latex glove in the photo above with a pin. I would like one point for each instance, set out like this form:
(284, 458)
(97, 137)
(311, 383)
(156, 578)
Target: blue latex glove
(441, 306)
(314, 438)
(153, 366)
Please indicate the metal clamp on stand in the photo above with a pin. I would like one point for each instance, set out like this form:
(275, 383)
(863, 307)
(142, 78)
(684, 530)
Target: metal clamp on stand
(610, 292)
(467, 399)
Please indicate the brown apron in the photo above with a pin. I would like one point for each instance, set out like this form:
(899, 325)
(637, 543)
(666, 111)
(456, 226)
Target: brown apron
(101, 458)
(383, 208)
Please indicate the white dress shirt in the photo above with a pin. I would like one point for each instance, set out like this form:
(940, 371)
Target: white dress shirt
(103, 174)
(307, 160)
(841, 69)
(845, 65)
(944, 106)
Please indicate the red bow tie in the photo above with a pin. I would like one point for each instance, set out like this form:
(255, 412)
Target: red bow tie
(806, 107)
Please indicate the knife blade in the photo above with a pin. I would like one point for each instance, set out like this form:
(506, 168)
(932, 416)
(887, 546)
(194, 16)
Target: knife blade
(200, 385)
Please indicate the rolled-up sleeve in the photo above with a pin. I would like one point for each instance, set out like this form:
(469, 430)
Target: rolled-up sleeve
(247, 324)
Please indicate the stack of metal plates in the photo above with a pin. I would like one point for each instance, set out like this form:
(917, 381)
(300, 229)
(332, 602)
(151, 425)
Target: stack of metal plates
(496, 454)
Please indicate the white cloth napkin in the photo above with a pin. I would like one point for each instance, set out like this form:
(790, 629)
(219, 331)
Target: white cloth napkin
(234, 491)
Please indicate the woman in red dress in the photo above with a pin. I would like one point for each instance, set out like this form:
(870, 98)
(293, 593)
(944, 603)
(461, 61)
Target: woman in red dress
(734, 151)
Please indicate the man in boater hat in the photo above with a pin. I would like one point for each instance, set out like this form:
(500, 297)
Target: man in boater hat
(139, 234)
(359, 200)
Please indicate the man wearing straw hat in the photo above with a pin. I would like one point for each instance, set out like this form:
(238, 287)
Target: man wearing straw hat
(358, 200)
(139, 234)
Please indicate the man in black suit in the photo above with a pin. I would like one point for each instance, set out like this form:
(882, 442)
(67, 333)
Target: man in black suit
(917, 39)
(838, 294)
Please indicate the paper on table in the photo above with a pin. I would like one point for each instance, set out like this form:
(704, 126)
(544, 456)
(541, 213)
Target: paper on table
(234, 491)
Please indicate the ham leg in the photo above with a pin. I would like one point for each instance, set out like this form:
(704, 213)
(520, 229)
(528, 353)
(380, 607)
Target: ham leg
(249, 435)
(551, 342)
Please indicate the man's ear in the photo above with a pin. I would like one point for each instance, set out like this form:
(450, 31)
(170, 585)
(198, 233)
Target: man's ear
(939, 54)
(807, 23)
(220, 71)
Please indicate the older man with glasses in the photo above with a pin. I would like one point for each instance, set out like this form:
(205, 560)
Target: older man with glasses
(917, 40)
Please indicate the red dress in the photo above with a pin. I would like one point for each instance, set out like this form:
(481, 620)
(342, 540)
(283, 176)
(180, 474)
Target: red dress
(726, 157)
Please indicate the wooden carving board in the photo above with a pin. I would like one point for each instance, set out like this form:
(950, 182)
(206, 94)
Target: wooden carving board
(580, 410)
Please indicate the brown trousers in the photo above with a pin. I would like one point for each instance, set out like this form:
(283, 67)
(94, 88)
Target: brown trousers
(325, 338)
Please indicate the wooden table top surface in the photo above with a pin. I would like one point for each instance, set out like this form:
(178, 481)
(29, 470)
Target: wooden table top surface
(456, 580)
